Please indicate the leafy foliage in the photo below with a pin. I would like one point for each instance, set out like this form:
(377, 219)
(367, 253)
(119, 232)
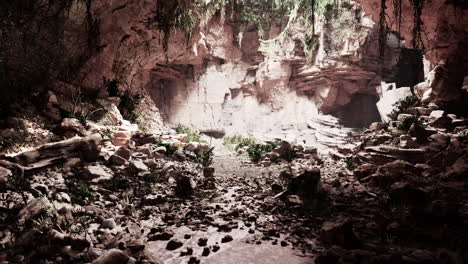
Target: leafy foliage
(80, 193)
(170, 149)
(170, 15)
(205, 158)
(192, 136)
(255, 151)
(237, 142)
(407, 122)
(402, 105)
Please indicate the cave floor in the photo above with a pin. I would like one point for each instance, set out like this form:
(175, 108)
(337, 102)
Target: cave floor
(243, 211)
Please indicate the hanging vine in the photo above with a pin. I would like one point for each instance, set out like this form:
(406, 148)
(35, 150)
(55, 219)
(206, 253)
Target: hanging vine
(383, 29)
(417, 23)
(397, 14)
(170, 15)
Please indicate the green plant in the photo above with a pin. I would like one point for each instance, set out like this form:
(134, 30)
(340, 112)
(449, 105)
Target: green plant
(192, 136)
(350, 165)
(237, 141)
(407, 122)
(170, 149)
(79, 192)
(206, 159)
(255, 151)
(403, 104)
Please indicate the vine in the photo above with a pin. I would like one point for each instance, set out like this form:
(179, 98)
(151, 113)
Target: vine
(170, 15)
(417, 23)
(397, 14)
(383, 29)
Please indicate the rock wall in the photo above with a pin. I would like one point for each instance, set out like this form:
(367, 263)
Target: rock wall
(212, 80)
(443, 38)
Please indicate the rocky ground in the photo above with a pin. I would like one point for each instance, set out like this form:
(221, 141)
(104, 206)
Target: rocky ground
(124, 196)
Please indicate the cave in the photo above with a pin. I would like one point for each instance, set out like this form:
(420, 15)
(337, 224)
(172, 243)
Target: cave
(233, 131)
(410, 68)
(360, 112)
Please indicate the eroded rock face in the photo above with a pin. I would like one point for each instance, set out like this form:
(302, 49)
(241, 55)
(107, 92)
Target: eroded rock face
(444, 26)
(213, 79)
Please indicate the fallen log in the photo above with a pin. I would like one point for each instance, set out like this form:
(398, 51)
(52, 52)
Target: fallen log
(86, 148)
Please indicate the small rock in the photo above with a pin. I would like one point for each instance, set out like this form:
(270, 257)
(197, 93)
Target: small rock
(138, 166)
(98, 173)
(33, 208)
(124, 153)
(437, 113)
(339, 231)
(215, 248)
(202, 242)
(164, 236)
(226, 239)
(193, 260)
(161, 149)
(187, 252)
(293, 200)
(174, 244)
(206, 252)
(185, 186)
(108, 223)
(117, 160)
(74, 125)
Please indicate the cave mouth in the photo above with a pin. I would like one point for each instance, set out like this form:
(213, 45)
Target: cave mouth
(360, 112)
(410, 68)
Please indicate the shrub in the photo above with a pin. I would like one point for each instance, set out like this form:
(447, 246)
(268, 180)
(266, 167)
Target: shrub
(407, 122)
(255, 151)
(403, 104)
(170, 149)
(192, 136)
(79, 192)
(237, 142)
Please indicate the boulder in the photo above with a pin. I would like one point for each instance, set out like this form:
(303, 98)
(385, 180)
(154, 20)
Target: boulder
(4, 174)
(112, 256)
(339, 231)
(124, 153)
(98, 173)
(72, 125)
(185, 185)
(33, 208)
(112, 116)
(108, 223)
(117, 160)
(389, 98)
(137, 166)
(174, 244)
(306, 185)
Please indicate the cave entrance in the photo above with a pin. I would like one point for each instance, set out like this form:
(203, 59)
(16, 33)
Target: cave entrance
(360, 112)
(410, 68)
